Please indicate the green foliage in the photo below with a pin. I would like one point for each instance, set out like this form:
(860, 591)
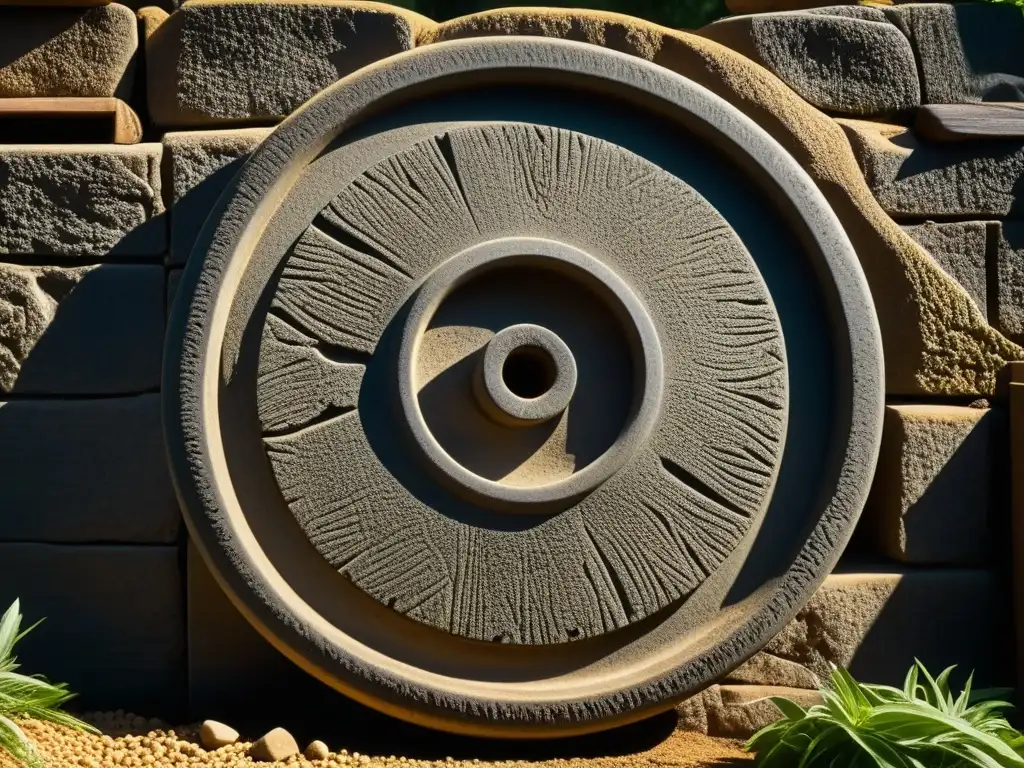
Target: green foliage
(878, 726)
(680, 14)
(24, 696)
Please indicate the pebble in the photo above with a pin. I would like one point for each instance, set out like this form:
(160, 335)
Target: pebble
(215, 735)
(317, 750)
(276, 745)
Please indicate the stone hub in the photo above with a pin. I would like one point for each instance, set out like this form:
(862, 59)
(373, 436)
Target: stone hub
(527, 376)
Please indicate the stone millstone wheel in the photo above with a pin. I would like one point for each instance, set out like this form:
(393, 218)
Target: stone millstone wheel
(519, 387)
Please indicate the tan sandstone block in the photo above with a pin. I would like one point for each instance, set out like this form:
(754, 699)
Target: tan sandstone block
(961, 249)
(934, 499)
(912, 178)
(936, 340)
(848, 60)
(81, 201)
(150, 18)
(737, 711)
(95, 330)
(222, 61)
(877, 623)
(67, 51)
(738, 7)
(200, 164)
(1009, 308)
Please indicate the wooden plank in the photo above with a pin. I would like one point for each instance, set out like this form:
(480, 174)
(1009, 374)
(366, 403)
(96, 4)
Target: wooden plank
(966, 122)
(82, 120)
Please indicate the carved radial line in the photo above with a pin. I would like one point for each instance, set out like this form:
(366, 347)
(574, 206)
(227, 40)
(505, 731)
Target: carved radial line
(297, 383)
(642, 540)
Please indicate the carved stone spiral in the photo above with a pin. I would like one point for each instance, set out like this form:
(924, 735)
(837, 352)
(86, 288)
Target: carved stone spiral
(521, 388)
(642, 482)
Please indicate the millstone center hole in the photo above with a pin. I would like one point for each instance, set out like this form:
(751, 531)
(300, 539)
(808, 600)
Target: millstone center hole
(529, 372)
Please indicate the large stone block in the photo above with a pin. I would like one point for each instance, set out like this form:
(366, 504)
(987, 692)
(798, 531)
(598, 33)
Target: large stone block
(91, 330)
(237, 60)
(934, 498)
(877, 623)
(737, 711)
(67, 51)
(966, 51)
(961, 250)
(90, 470)
(115, 622)
(919, 179)
(852, 63)
(201, 164)
(81, 202)
(1010, 279)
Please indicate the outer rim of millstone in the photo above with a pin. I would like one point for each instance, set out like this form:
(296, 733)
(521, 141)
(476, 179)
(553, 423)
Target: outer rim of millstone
(645, 347)
(193, 373)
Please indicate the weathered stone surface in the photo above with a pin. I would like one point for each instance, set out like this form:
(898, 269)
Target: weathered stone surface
(222, 62)
(81, 202)
(150, 18)
(960, 249)
(853, 65)
(936, 340)
(90, 470)
(933, 500)
(1010, 279)
(966, 51)
(766, 669)
(67, 51)
(738, 7)
(215, 735)
(115, 623)
(876, 623)
(911, 178)
(92, 330)
(737, 711)
(275, 745)
(201, 164)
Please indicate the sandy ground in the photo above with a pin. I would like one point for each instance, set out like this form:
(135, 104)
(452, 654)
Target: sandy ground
(130, 741)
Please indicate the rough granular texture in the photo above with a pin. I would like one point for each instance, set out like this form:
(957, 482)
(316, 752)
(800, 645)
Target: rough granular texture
(90, 330)
(936, 340)
(913, 179)
(217, 62)
(199, 165)
(933, 498)
(81, 201)
(135, 741)
(854, 66)
(67, 51)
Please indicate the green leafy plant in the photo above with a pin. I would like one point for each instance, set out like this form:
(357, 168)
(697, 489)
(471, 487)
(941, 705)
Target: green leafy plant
(26, 696)
(877, 726)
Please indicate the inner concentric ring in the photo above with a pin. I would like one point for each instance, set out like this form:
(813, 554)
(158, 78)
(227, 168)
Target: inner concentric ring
(554, 370)
(527, 375)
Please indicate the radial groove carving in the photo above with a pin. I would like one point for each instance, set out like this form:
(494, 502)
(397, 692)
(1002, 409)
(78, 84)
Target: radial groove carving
(511, 397)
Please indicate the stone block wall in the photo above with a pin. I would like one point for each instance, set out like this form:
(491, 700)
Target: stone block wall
(93, 238)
